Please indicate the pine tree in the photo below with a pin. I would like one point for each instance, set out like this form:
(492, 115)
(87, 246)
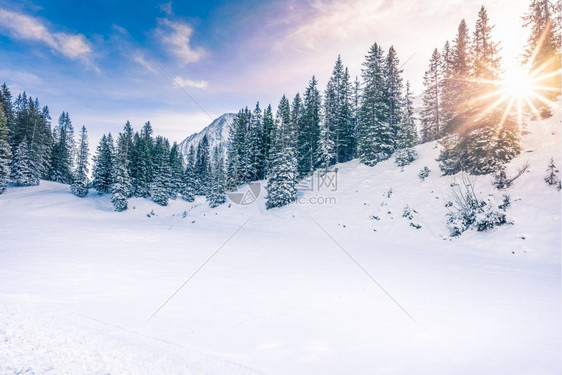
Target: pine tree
(238, 147)
(282, 174)
(431, 111)
(32, 124)
(542, 52)
(202, 167)
(256, 160)
(394, 91)
(308, 142)
(177, 168)
(63, 151)
(216, 194)
(142, 161)
(374, 133)
(188, 183)
(160, 189)
(5, 153)
(119, 188)
(459, 93)
(268, 135)
(338, 114)
(484, 51)
(407, 135)
(80, 182)
(125, 150)
(104, 165)
(24, 169)
(446, 104)
(552, 176)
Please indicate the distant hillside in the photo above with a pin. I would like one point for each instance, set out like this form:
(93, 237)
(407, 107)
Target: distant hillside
(216, 131)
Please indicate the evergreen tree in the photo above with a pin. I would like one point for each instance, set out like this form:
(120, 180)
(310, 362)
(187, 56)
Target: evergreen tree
(63, 151)
(125, 150)
(32, 124)
(238, 150)
(552, 176)
(431, 111)
(446, 102)
(484, 51)
(407, 135)
(282, 174)
(338, 114)
(297, 110)
(119, 188)
(142, 161)
(177, 168)
(189, 182)
(161, 187)
(459, 90)
(104, 165)
(8, 109)
(202, 167)
(80, 182)
(394, 91)
(24, 169)
(374, 133)
(308, 142)
(216, 194)
(268, 135)
(542, 52)
(5, 152)
(256, 160)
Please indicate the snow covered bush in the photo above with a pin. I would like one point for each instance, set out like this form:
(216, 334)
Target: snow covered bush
(552, 178)
(501, 181)
(24, 169)
(405, 156)
(424, 173)
(468, 211)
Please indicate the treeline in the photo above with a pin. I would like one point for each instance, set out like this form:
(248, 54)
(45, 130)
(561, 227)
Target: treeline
(370, 118)
(463, 106)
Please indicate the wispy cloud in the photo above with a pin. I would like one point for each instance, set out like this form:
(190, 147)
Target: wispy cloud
(176, 35)
(141, 59)
(190, 83)
(24, 27)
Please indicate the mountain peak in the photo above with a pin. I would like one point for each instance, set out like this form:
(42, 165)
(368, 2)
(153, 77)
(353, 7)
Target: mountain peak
(216, 131)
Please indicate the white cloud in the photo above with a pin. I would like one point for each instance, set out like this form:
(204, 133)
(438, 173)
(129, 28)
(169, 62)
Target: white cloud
(176, 36)
(140, 58)
(21, 26)
(190, 83)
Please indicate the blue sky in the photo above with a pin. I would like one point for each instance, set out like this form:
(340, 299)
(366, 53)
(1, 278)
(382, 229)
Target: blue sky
(103, 61)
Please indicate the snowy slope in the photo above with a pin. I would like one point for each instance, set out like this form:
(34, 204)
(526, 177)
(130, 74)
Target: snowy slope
(216, 131)
(79, 282)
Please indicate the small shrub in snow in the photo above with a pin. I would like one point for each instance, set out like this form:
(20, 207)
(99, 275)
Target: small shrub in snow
(501, 181)
(388, 193)
(468, 211)
(405, 156)
(552, 178)
(408, 212)
(424, 173)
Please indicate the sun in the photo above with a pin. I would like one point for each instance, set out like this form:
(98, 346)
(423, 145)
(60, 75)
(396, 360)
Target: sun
(519, 83)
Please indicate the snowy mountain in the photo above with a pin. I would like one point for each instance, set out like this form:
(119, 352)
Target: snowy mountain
(216, 131)
(281, 294)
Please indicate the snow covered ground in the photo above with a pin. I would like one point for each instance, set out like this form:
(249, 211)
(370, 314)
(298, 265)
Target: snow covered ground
(79, 282)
